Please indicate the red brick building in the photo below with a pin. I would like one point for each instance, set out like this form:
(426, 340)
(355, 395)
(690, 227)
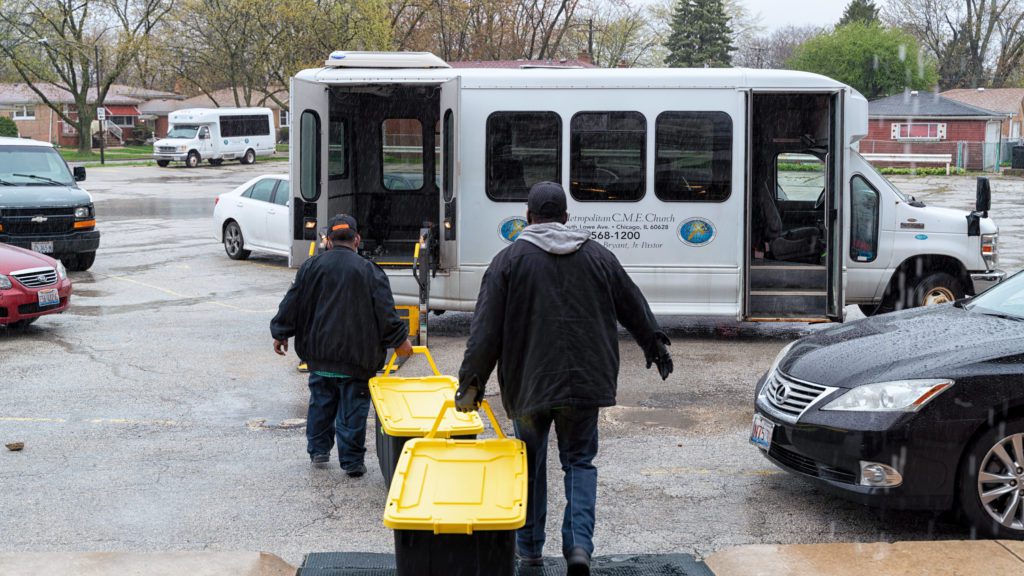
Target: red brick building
(927, 123)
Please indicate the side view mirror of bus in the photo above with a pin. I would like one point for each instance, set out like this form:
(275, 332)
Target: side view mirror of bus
(983, 201)
(204, 136)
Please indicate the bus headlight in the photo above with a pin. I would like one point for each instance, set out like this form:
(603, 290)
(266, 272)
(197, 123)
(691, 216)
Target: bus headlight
(990, 250)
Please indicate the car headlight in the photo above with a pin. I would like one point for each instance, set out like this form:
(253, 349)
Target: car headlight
(82, 212)
(181, 148)
(897, 396)
(62, 272)
(5, 283)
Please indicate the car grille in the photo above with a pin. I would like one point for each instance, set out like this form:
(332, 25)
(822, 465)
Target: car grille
(3, 312)
(166, 149)
(791, 397)
(30, 221)
(34, 308)
(36, 278)
(809, 466)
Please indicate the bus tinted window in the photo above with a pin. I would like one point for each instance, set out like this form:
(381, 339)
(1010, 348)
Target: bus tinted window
(693, 157)
(523, 148)
(244, 125)
(607, 156)
(448, 157)
(402, 141)
(337, 166)
(309, 156)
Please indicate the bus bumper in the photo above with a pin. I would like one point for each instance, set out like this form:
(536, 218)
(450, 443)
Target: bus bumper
(984, 280)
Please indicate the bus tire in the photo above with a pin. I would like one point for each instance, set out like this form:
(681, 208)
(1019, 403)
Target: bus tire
(932, 289)
(193, 159)
(163, 163)
(216, 161)
(249, 157)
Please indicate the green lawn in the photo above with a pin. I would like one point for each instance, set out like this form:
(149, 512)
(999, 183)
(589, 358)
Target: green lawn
(118, 153)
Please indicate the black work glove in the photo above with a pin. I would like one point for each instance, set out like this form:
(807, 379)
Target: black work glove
(660, 356)
(468, 396)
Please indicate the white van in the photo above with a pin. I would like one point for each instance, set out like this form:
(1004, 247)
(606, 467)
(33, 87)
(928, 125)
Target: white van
(728, 192)
(216, 134)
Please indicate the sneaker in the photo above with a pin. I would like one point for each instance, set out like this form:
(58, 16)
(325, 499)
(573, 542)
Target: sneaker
(577, 562)
(320, 459)
(303, 367)
(356, 472)
(529, 560)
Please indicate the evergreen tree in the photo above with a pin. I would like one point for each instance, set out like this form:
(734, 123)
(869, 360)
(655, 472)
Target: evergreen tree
(700, 37)
(859, 11)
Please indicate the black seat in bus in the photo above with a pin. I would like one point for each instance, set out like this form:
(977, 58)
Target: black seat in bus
(802, 244)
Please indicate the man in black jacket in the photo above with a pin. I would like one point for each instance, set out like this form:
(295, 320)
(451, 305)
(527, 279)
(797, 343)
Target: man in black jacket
(342, 314)
(546, 315)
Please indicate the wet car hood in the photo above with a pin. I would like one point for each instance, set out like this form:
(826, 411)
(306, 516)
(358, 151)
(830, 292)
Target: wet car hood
(42, 196)
(934, 342)
(13, 258)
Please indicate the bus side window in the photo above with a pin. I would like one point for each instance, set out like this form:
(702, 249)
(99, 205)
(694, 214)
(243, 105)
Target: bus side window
(523, 148)
(863, 221)
(607, 156)
(693, 157)
(402, 154)
(309, 156)
(337, 160)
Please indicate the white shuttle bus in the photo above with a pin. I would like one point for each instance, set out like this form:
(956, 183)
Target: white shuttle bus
(216, 135)
(728, 192)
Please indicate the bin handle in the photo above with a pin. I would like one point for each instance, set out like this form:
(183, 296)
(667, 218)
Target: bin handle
(450, 404)
(415, 350)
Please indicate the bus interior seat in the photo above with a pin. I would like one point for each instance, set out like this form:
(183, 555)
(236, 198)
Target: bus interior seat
(508, 177)
(803, 244)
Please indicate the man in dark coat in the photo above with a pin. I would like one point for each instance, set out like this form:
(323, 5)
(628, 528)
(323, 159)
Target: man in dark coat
(342, 314)
(547, 315)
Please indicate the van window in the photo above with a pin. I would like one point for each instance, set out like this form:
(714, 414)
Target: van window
(309, 156)
(863, 220)
(693, 157)
(523, 148)
(607, 156)
(447, 157)
(337, 162)
(244, 125)
(402, 153)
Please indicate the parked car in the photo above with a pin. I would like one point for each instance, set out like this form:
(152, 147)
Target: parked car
(254, 216)
(920, 409)
(42, 208)
(31, 285)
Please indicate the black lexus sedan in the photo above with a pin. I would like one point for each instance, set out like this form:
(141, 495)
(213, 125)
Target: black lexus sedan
(920, 409)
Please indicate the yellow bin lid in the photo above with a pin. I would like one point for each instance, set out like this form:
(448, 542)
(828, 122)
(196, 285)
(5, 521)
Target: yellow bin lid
(407, 407)
(459, 486)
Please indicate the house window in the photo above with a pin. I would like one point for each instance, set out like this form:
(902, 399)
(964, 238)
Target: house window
(24, 112)
(122, 121)
(919, 131)
(286, 119)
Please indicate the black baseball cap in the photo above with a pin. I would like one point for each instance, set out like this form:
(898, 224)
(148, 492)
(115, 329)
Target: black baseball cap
(342, 226)
(547, 200)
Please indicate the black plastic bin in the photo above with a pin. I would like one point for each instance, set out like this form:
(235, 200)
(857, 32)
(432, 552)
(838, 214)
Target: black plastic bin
(482, 553)
(389, 450)
(1017, 162)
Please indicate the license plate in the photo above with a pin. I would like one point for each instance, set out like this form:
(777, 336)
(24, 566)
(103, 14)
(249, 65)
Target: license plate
(48, 298)
(43, 247)
(761, 434)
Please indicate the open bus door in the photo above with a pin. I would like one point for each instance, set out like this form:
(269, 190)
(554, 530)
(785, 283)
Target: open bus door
(308, 162)
(834, 209)
(451, 99)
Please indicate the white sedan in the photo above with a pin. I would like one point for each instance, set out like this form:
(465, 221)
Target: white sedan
(254, 216)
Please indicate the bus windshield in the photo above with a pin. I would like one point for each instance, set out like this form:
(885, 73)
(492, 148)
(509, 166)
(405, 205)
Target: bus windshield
(187, 131)
(33, 166)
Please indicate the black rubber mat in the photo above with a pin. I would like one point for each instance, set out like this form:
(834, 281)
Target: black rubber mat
(363, 564)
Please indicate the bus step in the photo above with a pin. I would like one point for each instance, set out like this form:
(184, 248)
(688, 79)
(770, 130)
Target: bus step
(774, 278)
(788, 303)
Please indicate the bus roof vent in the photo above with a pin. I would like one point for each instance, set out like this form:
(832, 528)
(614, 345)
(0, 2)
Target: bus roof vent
(346, 59)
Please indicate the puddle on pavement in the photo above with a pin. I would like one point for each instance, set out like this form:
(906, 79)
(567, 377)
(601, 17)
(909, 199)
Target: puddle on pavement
(135, 208)
(655, 417)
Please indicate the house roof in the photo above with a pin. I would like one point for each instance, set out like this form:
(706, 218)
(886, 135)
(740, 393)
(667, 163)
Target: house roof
(1005, 100)
(925, 105)
(20, 93)
(549, 63)
(225, 97)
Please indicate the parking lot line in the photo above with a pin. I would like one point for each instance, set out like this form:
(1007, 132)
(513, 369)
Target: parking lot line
(186, 296)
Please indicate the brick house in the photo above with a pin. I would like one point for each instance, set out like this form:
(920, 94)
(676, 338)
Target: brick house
(37, 121)
(159, 109)
(927, 123)
(1008, 101)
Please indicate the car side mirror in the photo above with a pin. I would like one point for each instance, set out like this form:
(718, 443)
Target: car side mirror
(204, 136)
(79, 172)
(983, 200)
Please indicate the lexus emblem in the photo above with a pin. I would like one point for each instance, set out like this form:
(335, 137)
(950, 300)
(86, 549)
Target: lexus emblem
(781, 394)
(40, 219)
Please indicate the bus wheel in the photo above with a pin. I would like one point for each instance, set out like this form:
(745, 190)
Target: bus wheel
(193, 159)
(163, 163)
(250, 157)
(216, 162)
(932, 289)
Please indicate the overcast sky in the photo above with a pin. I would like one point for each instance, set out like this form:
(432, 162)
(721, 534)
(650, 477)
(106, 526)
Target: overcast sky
(778, 13)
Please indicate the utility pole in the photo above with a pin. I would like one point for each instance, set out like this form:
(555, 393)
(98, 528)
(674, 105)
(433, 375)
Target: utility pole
(590, 39)
(103, 133)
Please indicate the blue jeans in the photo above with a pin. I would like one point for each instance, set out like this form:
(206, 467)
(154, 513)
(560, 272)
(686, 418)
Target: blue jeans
(576, 429)
(338, 407)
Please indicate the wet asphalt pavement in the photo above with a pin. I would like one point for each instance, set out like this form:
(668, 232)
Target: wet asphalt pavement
(154, 412)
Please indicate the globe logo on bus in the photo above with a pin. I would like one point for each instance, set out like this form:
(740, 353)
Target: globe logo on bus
(511, 228)
(696, 232)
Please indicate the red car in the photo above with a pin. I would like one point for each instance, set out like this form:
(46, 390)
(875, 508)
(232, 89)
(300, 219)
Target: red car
(31, 285)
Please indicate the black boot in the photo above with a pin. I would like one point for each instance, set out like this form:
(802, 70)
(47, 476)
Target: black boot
(578, 562)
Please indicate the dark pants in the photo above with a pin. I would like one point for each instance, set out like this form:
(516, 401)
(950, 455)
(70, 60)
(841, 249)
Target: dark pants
(576, 430)
(338, 406)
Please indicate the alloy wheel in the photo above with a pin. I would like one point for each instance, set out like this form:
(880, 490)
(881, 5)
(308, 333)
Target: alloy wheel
(939, 295)
(233, 239)
(1001, 482)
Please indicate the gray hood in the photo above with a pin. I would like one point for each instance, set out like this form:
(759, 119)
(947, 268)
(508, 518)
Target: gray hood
(554, 238)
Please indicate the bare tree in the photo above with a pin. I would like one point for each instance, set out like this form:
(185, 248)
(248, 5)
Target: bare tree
(61, 42)
(773, 50)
